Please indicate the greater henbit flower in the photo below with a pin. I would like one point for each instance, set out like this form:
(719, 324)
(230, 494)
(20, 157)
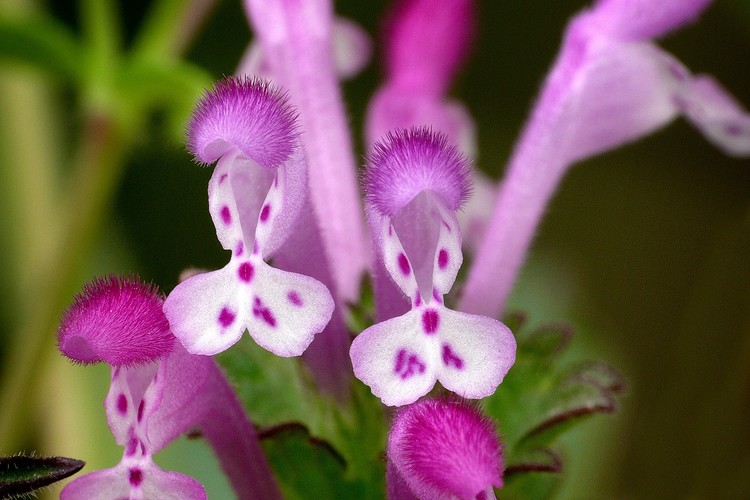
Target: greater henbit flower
(609, 86)
(255, 194)
(414, 184)
(158, 392)
(441, 449)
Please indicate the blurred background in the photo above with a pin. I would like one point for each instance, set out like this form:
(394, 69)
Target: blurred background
(644, 250)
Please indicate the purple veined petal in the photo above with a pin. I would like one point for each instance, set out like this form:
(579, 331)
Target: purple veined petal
(645, 19)
(393, 256)
(296, 36)
(125, 399)
(287, 310)
(116, 320)
(426, 42)
(476, 353)
(282, 207)
(209, 312)
(119, 482)
(394, 108)
(352, 49)
(718, 115)
(444, 448)
(396, 360)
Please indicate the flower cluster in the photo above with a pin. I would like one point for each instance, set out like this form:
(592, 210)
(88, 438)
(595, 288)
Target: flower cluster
(284, 191)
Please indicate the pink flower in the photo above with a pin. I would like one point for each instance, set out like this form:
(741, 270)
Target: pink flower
(158, 392)
(415, 182)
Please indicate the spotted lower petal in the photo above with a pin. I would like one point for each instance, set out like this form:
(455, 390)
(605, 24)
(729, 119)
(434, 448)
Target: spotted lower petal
(207, 313)
(146, 480)
(475, 353)
(396, 359)
(287, 310)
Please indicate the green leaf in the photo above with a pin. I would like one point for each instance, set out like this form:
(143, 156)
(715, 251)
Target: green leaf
(22, 474)
(306, 467)
(542, 397)
(278, 390)
(171, 85)
(42, 43)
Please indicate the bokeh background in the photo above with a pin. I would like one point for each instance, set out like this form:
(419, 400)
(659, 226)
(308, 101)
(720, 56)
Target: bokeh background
(644, 250)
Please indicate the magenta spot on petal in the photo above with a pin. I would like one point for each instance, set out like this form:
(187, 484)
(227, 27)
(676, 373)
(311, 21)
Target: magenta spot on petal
(140, 409)
(403, 264)
(264, 313)
(450, 358)
(136, 477)
(294, 298)
(226, 317)
(482, 495)
(143, 448)
(417, 300)
(256, 248)
(222, 178)
(390, 230)
(265, 212)
(442, 258)
(226, 215)
(239, 249)
(122, 404)
(430, 321)
(407, 365)
(436, 296)
(132, 446)
(733, 129)
(246, 272)
(447, 226)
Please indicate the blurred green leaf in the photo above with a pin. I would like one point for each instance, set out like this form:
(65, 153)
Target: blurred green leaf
(542, 397)
(172, 85)
(42, 43)
(21, 474)
(306, 467)
(278, 390)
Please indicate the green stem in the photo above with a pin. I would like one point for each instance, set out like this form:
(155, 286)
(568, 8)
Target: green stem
(98, 169)
(171, 27)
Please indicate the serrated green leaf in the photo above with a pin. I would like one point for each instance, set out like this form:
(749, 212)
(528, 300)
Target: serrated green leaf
(22, 474)
(544, 344)
(305, 467)
(42, 43)
(278, 390)
(532, 460)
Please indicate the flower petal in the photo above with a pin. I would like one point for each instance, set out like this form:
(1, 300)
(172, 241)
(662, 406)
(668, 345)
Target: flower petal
(645, 19)
(144, 481)
(287, 310)
(475, 353)
(717, 114)
(208, 312)
(396, 359)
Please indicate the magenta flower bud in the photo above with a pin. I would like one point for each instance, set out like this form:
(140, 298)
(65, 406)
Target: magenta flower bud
(427, 41)
(414, 184)
(256, 194)
(116, 320)
(443, 448)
